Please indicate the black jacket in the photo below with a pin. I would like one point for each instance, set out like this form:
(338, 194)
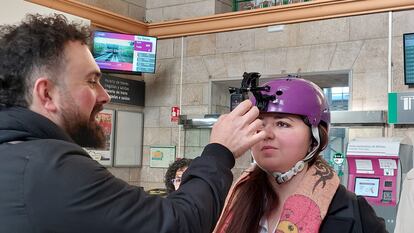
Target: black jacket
(349, 213)
(50, 184)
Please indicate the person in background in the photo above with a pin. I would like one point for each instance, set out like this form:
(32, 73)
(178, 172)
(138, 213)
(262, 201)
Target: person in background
(404, 222)
(290, 188)
(50, 94)
(174, 174)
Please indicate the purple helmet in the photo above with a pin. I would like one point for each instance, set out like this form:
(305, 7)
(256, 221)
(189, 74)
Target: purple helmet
(295, 96)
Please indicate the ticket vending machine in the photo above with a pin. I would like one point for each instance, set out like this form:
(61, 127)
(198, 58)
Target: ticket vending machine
(376, 168)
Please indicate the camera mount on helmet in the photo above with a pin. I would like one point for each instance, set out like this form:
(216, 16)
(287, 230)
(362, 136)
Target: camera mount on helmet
(250, 83)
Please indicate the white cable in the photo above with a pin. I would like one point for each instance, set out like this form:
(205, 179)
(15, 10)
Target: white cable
(389, 51)
(181, 95)
(389, 128)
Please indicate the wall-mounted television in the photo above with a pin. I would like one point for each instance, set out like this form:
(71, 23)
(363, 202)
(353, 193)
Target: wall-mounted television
(124, 53)
(408, 58)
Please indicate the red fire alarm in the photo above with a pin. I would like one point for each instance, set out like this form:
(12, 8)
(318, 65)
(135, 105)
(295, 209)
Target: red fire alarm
(175, 113)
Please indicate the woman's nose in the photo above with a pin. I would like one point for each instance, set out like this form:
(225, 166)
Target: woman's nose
(269, 132)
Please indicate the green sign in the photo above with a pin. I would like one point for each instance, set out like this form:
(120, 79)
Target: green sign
(338, 159)
(401, 108)
(337, 163)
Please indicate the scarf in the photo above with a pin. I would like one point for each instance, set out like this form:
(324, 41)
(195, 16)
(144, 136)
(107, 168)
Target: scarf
(304, 210)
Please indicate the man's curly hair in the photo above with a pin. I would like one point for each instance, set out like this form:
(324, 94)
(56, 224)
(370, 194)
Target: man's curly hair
(32, 49)
(172, 169)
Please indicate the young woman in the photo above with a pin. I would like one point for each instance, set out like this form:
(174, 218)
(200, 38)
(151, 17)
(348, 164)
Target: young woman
(290, 188)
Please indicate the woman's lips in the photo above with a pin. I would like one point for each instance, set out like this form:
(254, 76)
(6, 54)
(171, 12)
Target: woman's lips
(268, 148)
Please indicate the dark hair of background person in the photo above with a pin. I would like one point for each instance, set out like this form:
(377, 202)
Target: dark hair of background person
(172, 169)
(258, 195)
(31, 49)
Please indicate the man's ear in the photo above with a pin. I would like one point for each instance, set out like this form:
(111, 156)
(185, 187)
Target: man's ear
(44, 94)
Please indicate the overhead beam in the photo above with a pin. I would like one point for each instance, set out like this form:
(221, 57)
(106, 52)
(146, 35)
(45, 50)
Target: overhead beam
(100, 18)
(292, 13)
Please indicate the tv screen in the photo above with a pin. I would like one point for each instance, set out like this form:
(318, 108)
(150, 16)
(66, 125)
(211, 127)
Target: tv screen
(124, 53)
(368, 187)
(408, 58)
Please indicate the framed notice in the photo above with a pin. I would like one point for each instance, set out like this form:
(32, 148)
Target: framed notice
(129, 139)
(105, 120)
(162, 156)
(124, 91)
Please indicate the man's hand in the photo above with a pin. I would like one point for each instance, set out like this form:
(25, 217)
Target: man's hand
(238, 130)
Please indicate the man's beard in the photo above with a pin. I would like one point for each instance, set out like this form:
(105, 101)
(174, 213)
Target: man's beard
(85, 133)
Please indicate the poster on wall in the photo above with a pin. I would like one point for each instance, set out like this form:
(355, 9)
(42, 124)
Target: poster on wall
(162, 156)
(129, 139)
(105, 120)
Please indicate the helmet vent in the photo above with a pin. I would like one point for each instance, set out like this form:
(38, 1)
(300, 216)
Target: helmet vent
(279, 92)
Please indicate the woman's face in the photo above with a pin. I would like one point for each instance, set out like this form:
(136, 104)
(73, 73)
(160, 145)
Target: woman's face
(288, 141)
(178, 175)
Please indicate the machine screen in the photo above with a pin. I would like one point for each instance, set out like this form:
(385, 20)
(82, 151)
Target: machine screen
(368, 187)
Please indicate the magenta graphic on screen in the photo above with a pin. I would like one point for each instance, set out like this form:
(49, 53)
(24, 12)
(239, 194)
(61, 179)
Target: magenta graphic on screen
(143, 46)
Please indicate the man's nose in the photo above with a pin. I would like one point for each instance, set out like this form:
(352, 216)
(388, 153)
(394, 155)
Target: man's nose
(103, 96)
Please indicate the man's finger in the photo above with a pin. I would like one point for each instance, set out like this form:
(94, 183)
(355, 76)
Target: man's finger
(257, 137)
(251, 115)
(222, 117)
(255, 126)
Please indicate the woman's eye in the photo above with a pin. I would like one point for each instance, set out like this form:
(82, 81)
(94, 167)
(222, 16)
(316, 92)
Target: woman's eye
(282, 124)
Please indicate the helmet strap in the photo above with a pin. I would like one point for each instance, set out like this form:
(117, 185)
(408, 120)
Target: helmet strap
(283, 177)
(315, 134)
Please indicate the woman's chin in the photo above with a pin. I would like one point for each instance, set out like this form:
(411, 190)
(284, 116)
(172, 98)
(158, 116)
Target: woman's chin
(270, 169)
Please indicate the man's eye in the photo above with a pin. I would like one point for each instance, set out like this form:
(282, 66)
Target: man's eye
(92, 82)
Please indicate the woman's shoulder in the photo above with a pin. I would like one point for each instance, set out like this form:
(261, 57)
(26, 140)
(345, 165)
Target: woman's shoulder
(370, 221)
(342, 199)
(346, 203)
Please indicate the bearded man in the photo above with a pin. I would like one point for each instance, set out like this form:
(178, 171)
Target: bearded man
(50, 94)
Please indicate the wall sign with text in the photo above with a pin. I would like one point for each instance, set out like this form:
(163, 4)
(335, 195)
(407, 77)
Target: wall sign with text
(124, 91)
(162, 156)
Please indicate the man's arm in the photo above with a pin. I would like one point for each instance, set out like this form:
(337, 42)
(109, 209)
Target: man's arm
(206, 183)
(69, 192)
(76, 194)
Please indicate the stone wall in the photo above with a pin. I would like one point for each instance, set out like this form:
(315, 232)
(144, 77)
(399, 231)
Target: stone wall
(161, 10)
(134, 9)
